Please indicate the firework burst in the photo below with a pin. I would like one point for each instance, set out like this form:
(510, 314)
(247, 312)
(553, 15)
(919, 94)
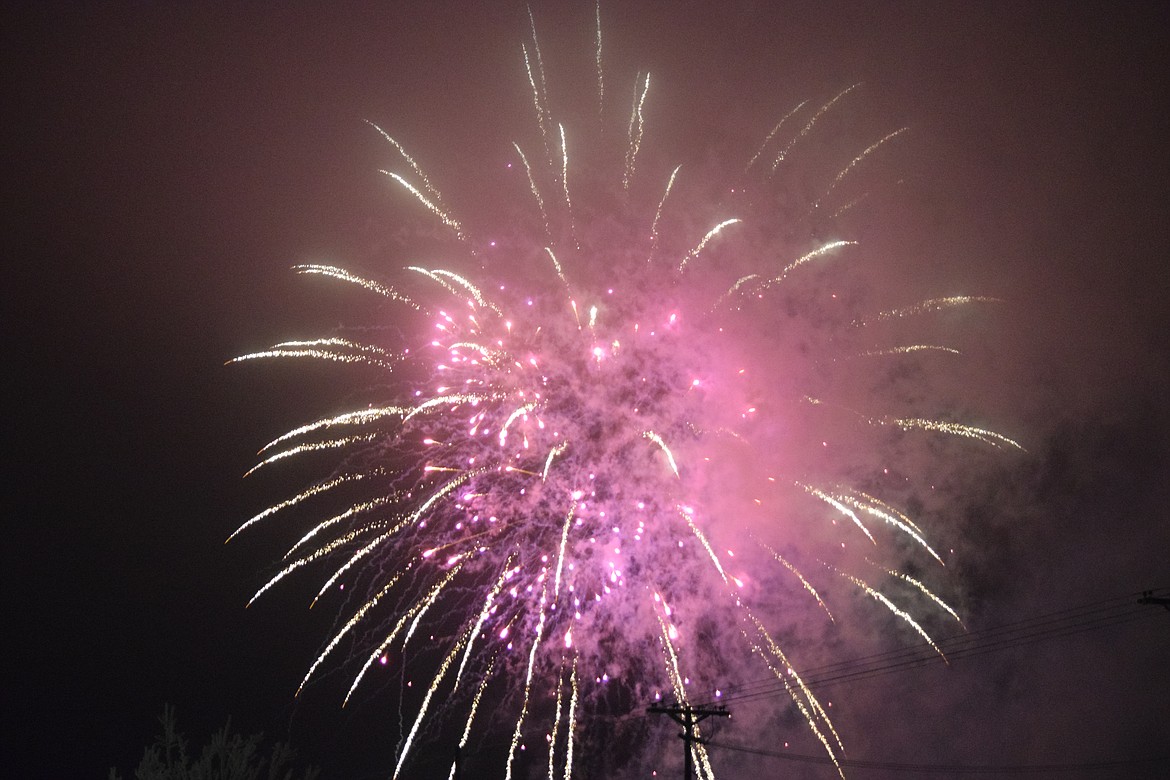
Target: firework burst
(609, 465)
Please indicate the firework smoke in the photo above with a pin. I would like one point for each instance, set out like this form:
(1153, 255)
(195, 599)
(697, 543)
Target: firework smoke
(625, 443)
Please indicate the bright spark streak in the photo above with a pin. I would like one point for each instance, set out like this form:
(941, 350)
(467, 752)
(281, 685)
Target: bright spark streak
(472, 710)
(897, 520)
(658, 213)
(808, 705)
(527, 690)
(346, 276)
(929, 306)
(353, 621)
(908, 350)
(635, 133)
(600, 71)
(476, 294)
(414, 166)
(359, 353)
(703, 541)
(430, 205)
(925, 591)
(809, 126)
(298, 498)
(535, 192)
(353, 511)
(572, 724)
(553, 453)
(854, 163)
(565, 185)
(426, 702)
(798, 262)
(561, 552)
(954, 429)
(516, 413)
(552, 739)
(412, 615)
(691, 255)
(332, 444)
(894, 608)
(654, 437)
(803, 581)
(775, 130)
(836, 503)
(360, 417)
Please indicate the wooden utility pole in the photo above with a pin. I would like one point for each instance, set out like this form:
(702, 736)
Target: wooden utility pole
(688, 717)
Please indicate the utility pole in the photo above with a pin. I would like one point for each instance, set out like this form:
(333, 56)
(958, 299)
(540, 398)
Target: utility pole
(688, 717)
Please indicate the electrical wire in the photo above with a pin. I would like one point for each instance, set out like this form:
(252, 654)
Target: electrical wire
(1061, 623)
(952, 769)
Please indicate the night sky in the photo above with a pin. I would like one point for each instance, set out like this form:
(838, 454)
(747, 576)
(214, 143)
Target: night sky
(166, 163)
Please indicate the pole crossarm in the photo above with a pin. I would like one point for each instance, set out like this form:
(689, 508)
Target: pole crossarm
(688, 717)
(1148, 597)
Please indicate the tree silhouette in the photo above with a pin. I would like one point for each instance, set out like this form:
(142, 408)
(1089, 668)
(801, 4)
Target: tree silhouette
(226, 756)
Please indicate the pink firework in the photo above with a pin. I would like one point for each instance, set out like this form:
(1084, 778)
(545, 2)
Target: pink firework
(622, 444)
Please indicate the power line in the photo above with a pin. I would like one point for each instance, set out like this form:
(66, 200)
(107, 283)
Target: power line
(954, 769)
(1061, 623)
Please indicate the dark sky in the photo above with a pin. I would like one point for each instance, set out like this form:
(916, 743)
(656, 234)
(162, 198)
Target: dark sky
(166, 163)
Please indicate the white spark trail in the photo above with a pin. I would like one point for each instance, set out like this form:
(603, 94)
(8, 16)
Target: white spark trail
(691, 255)
(635, 134)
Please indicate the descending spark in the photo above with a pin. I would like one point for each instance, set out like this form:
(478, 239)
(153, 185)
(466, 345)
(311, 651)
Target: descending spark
(472, 709)
(691, 255)
(536, 81)
(414, 166)
(535, 191)
(780, 157)
(600, 71)
(440, 674)
(814, 714)
(954, 429)
(552, 737)
(907, 350)
(839, 505)
(360, 417)
(561, 553)
(353, 621)
(877, 509)
(798, 262)
(527, 689)
(772, 134)
(635, 133)
(553, 453)
(346, 276)
(658, 213)
(924, 591)
(471, 289)
(894, 608)
(430, 205)
(854, 163)
(654, 437)
(411, 618)
(807, 585)
(351, 512)
(332, 444)
(315, 490)
(928, 306)
(503, 504)
(334, 349)
(565, 185)
(572, 722)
